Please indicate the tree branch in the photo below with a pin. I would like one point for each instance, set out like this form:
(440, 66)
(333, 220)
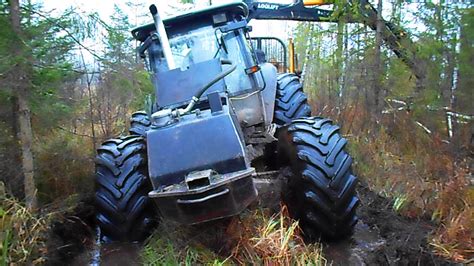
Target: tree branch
(65, 30)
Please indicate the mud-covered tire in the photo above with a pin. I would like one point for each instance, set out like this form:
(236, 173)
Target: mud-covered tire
(320, 192)
(290, 102)
(139, 123)
(123, 210)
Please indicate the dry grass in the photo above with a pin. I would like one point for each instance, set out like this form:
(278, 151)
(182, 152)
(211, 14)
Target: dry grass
(455, 236)
(272, 240)
(64, 166)
(255, 237)
(424, 175)
(22, 234)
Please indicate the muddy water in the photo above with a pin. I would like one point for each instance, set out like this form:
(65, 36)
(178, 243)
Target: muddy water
(109, 254)
(381, 237)
(353, 250)
(348, 252)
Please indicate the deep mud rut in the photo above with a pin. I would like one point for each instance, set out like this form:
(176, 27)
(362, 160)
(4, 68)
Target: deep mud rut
(381, 237)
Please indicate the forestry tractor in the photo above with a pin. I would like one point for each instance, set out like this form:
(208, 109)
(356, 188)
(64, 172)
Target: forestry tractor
(220, 105)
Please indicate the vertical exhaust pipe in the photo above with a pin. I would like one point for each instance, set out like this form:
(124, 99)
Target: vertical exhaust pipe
(163, 37)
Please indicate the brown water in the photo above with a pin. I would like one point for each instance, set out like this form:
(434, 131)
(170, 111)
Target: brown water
(348, 252)
(353, 250)
(116, 254)
(380, 238)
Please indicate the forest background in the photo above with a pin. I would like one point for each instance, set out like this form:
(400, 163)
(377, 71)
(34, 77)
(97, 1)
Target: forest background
(69, 81)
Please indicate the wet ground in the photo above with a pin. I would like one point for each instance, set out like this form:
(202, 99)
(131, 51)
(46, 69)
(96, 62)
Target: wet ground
(384, 238)
(381, 237)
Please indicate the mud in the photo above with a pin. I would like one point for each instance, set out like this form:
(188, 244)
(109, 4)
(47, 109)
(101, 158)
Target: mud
(71, 234)
(380, 238)
(383, 237)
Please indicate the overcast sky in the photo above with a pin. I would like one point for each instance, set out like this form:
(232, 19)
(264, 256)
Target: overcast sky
(261, 28)
(279, 29)
(105, 8)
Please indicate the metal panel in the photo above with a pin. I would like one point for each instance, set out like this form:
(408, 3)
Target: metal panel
(226, 195)
(249, 108)
(270, 75)
(196, 142)
(179, 86)
(195, 17)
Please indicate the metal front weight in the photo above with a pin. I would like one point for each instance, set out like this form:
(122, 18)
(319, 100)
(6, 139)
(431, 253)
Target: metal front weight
(206, 195)
(199, 179)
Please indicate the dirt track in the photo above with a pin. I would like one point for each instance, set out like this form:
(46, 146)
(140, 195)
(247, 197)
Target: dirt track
(381, 237)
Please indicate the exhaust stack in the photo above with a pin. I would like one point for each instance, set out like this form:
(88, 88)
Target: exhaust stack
(163, 37)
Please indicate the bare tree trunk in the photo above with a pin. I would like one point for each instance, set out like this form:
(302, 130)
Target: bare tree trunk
(443, 58)
(13, 180)
(91, 114)
(366, 76)
(377, 73)
(339, 66)
(20, 82)
(308, 50)
(89, 81)
(345, 67)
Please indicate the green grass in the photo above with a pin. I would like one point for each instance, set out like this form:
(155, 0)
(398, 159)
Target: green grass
(255, 237)
(171, 245)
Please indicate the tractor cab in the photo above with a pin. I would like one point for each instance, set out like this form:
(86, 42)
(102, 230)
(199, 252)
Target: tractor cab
(199, 41)
(210, 97)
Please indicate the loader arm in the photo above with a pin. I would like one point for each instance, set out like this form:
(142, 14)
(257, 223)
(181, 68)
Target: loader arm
(395, 38)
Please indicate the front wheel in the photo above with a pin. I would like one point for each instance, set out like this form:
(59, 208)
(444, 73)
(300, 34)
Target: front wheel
(139, 123)
(123, 210)
(320, 192)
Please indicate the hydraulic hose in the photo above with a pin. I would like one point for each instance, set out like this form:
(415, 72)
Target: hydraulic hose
(197, 96)
(218, 77)
(222, 75)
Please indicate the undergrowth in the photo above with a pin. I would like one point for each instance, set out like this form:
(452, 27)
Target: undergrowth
(425, 175)
(22, 233)
(64, 167)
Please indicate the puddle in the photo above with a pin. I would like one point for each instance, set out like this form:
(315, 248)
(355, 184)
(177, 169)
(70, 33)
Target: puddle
(347, 252)
(353, 250)
(381, 237)
(119, 254)
(116, 254)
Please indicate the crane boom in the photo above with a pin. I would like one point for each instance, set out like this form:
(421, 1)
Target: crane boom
(295, 11)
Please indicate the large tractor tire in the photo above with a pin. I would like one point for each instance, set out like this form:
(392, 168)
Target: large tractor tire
(320, 191)
(123, 210)
(139, 123)
(291, 102)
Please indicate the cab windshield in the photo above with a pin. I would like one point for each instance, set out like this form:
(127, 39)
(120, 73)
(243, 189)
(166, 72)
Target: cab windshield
(204, 44)
(194, 47)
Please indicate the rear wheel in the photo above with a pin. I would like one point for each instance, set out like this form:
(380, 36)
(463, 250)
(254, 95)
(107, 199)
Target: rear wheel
(139, 123)
(291, 102)
(320, 192)
(123, 210)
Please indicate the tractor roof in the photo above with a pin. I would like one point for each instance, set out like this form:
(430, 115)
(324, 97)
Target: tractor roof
(205, 14)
